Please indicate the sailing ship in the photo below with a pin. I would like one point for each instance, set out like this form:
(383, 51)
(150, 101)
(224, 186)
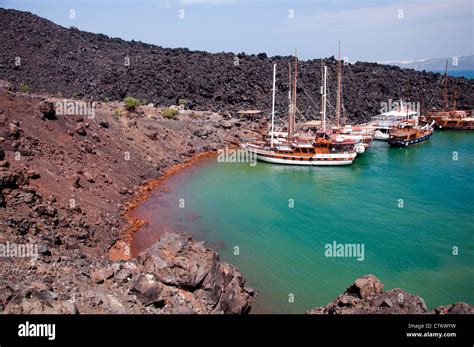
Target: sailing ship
(359, 134)
(348, 132)
(409, 133)
(455, 119)
(321, 148)
(451, 119)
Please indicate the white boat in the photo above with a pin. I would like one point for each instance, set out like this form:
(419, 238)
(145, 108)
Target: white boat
(384, 122)
(316, 149)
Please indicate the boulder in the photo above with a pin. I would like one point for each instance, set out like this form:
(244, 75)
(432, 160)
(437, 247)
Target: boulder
(147, 289)
(100, 275)
(179, 262)
(47, 109)
(456, 308)
(80, 129)
(366, 286)
(365, 296)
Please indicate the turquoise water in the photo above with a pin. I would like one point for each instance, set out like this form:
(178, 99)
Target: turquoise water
(459, 73)
(281, 249)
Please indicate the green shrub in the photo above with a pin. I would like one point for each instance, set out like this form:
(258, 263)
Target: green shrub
(24, 88)
(183, 102)
(131, 103)
(75, 95)
(169, 112)
(117, 112)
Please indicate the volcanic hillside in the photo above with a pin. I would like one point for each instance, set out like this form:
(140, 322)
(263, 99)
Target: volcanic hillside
(72, 63)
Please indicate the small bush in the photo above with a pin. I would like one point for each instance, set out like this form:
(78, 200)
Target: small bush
(169, 112)
(131, 103)
(24, 88)
(117, 112)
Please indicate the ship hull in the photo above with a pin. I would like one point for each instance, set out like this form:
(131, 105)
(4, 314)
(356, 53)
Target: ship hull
(305, 161)
(454, 127)
(397, 143)
(333, 159)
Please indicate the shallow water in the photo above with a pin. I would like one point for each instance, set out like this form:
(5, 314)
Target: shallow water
(282, 249)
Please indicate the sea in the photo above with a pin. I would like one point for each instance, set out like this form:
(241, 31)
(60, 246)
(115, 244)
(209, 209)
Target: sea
(469, 74)
(408, 212)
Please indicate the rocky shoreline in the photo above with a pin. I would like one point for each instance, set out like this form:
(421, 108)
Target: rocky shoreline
(66, 187)
(66, 183)
(68, 180)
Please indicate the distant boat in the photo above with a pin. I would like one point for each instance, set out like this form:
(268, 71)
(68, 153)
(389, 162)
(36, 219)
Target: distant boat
(451, 119)
(456, 120)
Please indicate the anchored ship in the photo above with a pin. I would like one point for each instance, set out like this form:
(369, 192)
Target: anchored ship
(410, 133)
(451, 119)
(384, 122)
(320, 148)
(456, 119)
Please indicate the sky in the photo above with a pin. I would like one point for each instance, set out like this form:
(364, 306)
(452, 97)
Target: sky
(369, 30)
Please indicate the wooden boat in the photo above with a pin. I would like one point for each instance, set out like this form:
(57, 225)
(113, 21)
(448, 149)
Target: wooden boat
(322, 150)
(358, 134)
(456, 120)
(304, 149)
(384, 122)
(451, 118)
(409, 134)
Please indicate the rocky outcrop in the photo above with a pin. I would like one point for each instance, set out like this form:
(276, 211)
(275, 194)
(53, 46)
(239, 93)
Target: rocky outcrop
(77, 63)
(365, 296)
(185, 276)
(177, 275)
(64, 192)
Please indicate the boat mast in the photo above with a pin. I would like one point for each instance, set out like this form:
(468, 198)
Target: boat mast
(291, 126)
(454, 98)
(321, 91)
(290, 98)
(324, 97)
(338, 104)
(445, 91)
(273, 102)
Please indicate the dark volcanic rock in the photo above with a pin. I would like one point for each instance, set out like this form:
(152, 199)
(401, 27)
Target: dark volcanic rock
(365, 296)
(47, 109)
(178, 261)
(89, 65)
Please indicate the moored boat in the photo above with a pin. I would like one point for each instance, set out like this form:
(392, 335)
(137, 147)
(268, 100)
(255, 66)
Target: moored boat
(384, 122)
(409, 134)
(358, 134)
(449, 117)
(320, 148)
(454, 120)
